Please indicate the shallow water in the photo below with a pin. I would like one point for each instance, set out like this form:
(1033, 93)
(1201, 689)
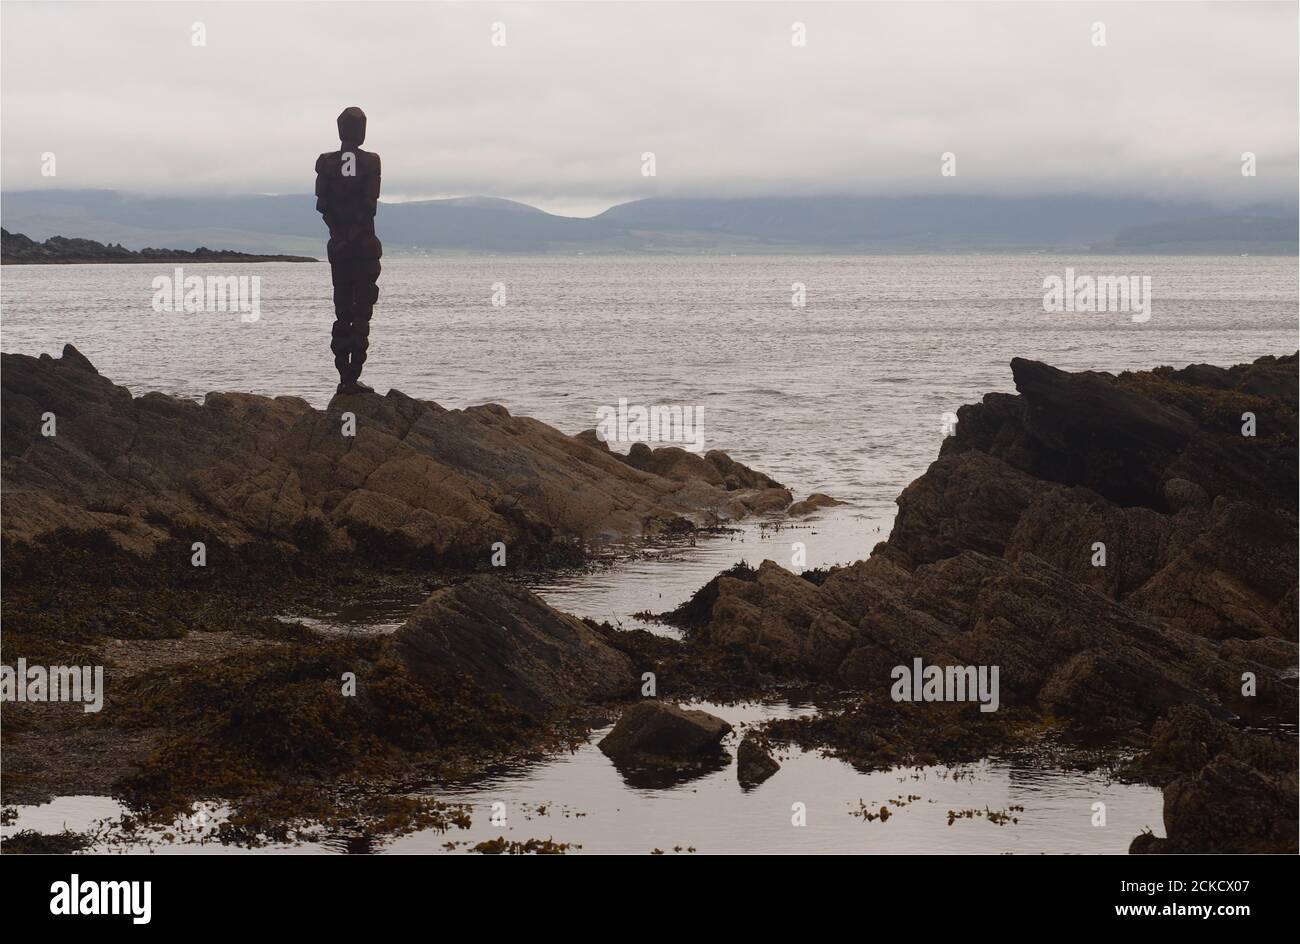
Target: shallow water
(714, 814)
(844, 396)
(660, 579)
(584, 800)
(630, 583)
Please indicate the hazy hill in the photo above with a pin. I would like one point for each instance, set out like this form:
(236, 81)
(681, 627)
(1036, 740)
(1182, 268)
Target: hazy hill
(952, 223)
(290, 224)
(1215, 234)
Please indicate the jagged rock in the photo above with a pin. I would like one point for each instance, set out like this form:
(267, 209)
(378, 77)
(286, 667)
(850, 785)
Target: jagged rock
(416, 481)
(1123, 437)
(1087, 430)
(738, 477)
(654, 729)
(592, 438)
(1278, 653)
(1212, 550)
(777, 617)
(510, 642)
(1232, 574)
(963, 502)
(1180, 494)
(997, 558)
(1231, 807)
(989, 563)
(672, 462)
(754, 761)
(1226, 791)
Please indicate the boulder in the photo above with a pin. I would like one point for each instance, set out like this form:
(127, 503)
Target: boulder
(654, 729)
(510, 642)
(754, 761)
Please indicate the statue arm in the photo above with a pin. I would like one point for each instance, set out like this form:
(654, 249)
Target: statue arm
(322, 186)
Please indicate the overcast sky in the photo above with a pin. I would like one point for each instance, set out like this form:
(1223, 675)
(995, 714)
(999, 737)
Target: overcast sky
(561, 114)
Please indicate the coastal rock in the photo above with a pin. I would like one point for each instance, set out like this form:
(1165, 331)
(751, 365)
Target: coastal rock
(966, 502)
(1226, 790)
(672, 462)
(592, 438)
(1180, 494)
(653, 729)
(755, 493)
(778, 618)
(511, 643)
(1115, 545)
(416, 481)
(1231, 807)
(1124, 437)
(1008, 551)
(1084, 429)
(754, 761)
(737, 477)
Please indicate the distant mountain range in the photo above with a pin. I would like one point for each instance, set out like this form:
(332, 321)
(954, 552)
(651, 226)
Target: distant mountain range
(290, 224)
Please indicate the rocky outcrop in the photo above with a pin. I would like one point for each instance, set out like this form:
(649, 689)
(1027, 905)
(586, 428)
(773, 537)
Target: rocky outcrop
(778, 618)
(651, 731)
(1225, 790)
(1115, 545)
(1063, 535)
(1197, 520)
(756, 492)
(510, 643)
(390, 475)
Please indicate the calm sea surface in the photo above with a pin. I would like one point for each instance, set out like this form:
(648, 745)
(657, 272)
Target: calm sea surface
(845, 395)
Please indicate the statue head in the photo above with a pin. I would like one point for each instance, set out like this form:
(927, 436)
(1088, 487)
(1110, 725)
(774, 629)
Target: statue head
(352, 127)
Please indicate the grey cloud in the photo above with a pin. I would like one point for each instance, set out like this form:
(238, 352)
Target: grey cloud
(561, 115)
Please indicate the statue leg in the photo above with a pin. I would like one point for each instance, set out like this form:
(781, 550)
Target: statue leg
(355, 294)
(364, 296)
(341, 333)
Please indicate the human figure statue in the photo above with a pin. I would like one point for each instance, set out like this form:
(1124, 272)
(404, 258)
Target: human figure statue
(347, 194)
